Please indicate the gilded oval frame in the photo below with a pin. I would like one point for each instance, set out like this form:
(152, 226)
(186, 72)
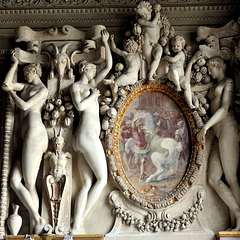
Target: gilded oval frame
(114, 159)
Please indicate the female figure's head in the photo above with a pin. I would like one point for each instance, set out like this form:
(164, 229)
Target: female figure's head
(88, 69)
(216, 66)
(32, 71)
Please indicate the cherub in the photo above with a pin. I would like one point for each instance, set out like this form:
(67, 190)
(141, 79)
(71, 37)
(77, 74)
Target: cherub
(176, 69)
(165, 44)
(152, 50)
(132, 61)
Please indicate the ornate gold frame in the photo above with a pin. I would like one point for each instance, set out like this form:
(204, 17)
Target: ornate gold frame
(114, 159)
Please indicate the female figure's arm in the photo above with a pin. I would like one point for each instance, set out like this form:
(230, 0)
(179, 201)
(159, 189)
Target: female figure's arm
(195, 57)
(40, 96)
(8, 83)
(10, 87)
(187, 74)
(102, 74)
(222, 112)
(82, 104)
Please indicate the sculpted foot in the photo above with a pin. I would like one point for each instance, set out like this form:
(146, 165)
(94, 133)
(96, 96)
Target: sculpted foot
(39, 225)
(192, 107)
(77, 230)
(237, 228)
(178, 89)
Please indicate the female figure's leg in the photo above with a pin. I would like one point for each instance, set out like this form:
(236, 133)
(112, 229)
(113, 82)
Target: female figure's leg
(81, 200)
(25, 197)
(215, 172)
(97, 161)
(229, 153)
(94, 161)
(32, 152)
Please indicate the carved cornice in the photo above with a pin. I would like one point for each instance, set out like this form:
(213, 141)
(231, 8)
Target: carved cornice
(106, 3)
(75, 15)
(128, 9)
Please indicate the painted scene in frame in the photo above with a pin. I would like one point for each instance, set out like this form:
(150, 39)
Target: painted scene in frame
(154, 144)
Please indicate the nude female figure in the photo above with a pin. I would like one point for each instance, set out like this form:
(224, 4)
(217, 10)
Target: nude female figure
(33, 95)
(224, 156)
(86, 140)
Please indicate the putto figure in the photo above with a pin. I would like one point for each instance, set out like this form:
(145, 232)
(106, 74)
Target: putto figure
(152, 50)
(132, 61)
(33, 95)
(176, 68)
(86, 140)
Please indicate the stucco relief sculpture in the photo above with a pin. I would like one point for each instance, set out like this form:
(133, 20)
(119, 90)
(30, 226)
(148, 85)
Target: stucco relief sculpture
(151, 222)
(151, 26)
(132, 61)
(86, 138)
(34, 137)
(221, 46)
(150, 131)
(48, 104)
(226, 140)
(56, 180)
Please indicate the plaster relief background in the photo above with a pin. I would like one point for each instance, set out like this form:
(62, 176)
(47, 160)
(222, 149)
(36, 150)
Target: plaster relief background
(197, 209)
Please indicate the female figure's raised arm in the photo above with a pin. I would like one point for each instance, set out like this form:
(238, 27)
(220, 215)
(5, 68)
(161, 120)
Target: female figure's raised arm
(8, 83)
(37, 98)
(195, 57)
(103, 73)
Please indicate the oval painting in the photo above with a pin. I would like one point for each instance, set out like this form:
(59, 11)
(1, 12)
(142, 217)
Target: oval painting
(154, 146)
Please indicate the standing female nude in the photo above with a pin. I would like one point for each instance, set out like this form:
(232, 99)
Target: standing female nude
(86, 140)
(224, 156)
(33, 95)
